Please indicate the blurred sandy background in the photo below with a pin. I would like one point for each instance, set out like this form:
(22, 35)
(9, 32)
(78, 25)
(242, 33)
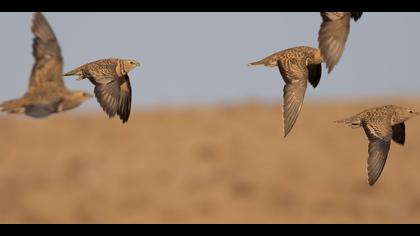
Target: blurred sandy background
(215, 164)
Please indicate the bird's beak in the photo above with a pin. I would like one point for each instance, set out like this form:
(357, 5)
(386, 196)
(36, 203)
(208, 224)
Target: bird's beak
(138, 63)
(89, 95)
(417, 113)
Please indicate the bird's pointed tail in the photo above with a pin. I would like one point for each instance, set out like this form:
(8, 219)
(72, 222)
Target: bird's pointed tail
(353, 121)
(76, 71)
(12, 106)
(256, 63)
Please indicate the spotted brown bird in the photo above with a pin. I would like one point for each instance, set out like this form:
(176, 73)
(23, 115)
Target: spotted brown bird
(381, 124)
(46, 93)
(297, 66)
(112, 84)
(332, 35)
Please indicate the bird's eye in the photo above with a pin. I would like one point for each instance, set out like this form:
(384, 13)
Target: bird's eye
(131, 62)
(411, 111)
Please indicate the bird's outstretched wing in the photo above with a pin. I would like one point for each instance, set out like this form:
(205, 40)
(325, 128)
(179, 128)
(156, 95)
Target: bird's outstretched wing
(125, 100)
(379, 144)
(48, 67)
(108, 96)
(295, 74)
(332, 37)
(115, 97)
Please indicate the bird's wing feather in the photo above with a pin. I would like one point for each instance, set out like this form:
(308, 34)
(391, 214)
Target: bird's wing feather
(125, 99)
(48, 67)
(379, 144)
(295, 75)
(314, 74)
(332, 37)
(398, 133)
(108, 96)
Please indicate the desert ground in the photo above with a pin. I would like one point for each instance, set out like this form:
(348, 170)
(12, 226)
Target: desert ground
(204, 164)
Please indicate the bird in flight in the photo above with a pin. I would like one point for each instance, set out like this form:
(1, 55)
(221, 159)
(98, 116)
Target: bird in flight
(46, 93)
(381, 125)
(297, 66)
(112, 84)
(332, 35)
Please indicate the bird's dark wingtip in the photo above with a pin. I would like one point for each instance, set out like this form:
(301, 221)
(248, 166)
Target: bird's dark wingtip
(371, 182)
(330, 69)
(356, 15)
(286, 131)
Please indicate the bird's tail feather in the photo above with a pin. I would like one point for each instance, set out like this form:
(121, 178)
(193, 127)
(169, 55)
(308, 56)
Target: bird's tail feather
(260, 62)
(12, 106)
(353, 121)
(76, 71)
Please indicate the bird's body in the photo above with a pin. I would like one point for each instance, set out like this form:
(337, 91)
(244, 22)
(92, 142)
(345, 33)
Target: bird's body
(332, 35)
(381, 125)
(305, 54)
(44, 102)
(297, 66)
(112, 84)
(46, 93)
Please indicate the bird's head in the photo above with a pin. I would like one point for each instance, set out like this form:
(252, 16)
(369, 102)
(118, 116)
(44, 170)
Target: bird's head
(130, 65)
(74, 99)
(81, 96)
(402, 114)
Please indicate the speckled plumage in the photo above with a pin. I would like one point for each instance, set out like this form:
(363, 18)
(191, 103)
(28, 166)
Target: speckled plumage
(297, 66)
(381, 124)
(46, 93)
(332, 35)
(112, 84)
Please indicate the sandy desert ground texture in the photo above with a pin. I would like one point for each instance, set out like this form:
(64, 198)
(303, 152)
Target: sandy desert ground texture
(215, 164)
